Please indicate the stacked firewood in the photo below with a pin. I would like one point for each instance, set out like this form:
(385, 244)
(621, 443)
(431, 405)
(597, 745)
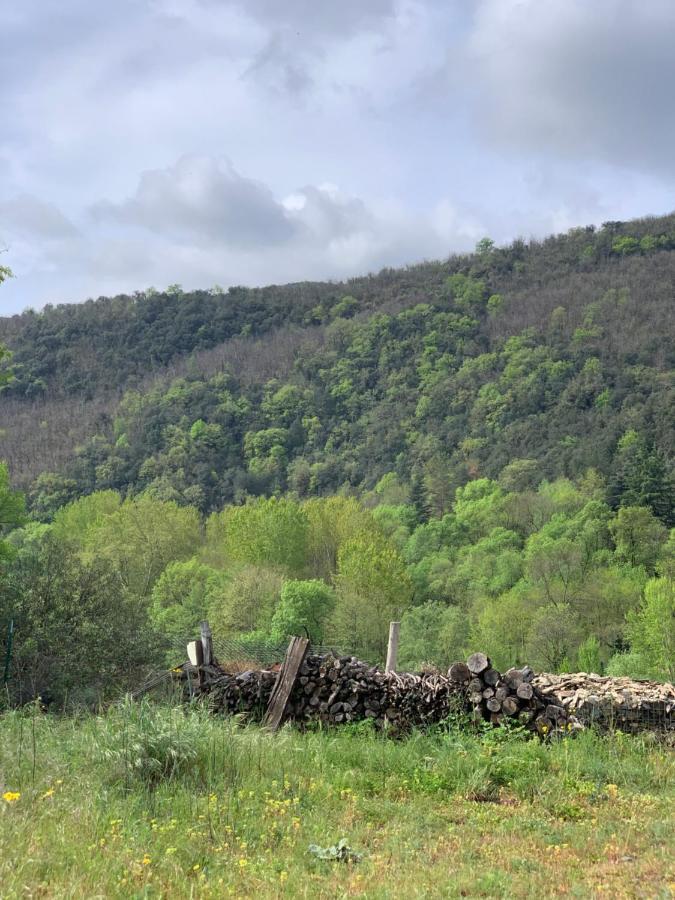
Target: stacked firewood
(336, 690)
(513, 696)
(344, 689)
(242, 692)
(615, 702)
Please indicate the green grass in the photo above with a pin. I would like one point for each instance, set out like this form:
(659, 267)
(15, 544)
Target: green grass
(151, 802)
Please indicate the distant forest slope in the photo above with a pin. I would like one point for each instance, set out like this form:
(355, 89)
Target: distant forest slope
(549, 358)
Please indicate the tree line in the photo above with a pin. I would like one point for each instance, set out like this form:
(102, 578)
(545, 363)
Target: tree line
(548, 575)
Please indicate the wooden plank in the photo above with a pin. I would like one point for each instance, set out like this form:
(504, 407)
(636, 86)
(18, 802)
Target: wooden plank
(392, 649)
(276, 708)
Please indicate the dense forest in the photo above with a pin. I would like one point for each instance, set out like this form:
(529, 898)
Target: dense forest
(483, 447)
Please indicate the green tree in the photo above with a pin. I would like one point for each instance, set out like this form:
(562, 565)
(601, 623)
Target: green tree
(79, 637)
(76, 522)
(181, 598)
(247, 601)
(373, 588)
(639, 536)
(651, 629)
(303, 606)
(589, 656)
(268, 532)
(12, 513)
(141, 538)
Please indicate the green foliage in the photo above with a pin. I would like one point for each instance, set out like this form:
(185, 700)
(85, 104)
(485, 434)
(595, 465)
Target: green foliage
(638, 536)
(340, 852)
(12, 513)
(372, 589)
(140, 538)
(304, 607)
(477, 445)
(247, 601)
(78, 636)
(270, 532)
(181, 598)
(651, 629)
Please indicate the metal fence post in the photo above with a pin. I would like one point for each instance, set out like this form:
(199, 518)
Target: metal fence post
(8, 653)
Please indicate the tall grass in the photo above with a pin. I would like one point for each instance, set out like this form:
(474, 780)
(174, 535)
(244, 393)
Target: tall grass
(147, 800)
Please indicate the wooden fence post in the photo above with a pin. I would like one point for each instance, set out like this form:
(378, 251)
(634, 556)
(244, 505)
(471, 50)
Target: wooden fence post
(392, 649)
(207, 643)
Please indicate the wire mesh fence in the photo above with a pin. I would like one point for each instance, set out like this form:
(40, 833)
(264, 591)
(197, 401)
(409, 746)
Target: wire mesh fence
(238, 654)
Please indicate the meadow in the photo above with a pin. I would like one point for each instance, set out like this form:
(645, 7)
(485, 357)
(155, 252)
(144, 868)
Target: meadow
(155, 801)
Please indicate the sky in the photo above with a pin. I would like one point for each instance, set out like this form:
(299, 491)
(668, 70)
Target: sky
(201, 142)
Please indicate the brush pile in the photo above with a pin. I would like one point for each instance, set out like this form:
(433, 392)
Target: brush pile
(612, 702)
(336, 690)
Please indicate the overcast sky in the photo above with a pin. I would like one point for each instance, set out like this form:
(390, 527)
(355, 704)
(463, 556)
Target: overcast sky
(148, 142)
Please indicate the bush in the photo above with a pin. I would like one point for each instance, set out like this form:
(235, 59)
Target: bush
(140, 742)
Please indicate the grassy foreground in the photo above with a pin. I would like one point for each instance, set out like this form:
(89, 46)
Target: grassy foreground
(152, 802)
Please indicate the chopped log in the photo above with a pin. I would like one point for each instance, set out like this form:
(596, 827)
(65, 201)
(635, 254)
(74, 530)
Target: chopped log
(336, 690)
(477, 663)
(459, 672)
(491, 677)
(525, 691)
(510, 706)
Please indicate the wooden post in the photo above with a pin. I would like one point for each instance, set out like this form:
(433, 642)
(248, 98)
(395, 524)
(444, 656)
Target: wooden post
(392, 649)
(276, 708)
(207, 643)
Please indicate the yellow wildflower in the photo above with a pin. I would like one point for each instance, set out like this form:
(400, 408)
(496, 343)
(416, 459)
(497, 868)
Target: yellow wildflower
(11, 796)
(283, 876)
(243, 863)
(146, 860)
(48, 793)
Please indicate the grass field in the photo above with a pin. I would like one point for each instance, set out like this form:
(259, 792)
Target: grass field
(151, 802)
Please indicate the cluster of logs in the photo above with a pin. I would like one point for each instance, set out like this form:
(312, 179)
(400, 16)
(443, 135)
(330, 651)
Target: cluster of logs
(495, 697)
(336, 690)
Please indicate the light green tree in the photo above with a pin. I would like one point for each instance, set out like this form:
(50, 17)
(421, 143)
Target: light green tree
(142, 537)
(651, 629)
(75, 523)
(304, 606)
(247, 601)
(373, 588)
(267, 532)
(639, 536)
(181, 599)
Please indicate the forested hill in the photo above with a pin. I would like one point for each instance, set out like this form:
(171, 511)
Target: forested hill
(535, 360)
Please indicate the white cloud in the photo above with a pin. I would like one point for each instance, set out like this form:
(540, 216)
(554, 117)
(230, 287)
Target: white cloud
(200, 221)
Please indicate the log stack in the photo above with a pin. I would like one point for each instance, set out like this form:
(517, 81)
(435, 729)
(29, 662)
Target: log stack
(336, 690)
(513, 697)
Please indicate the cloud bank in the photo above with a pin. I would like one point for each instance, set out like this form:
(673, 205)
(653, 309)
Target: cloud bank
(200, 141)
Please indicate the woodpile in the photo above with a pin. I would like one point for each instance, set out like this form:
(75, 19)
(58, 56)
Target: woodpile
(512, 697)
(336, 690)
(612, 702)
